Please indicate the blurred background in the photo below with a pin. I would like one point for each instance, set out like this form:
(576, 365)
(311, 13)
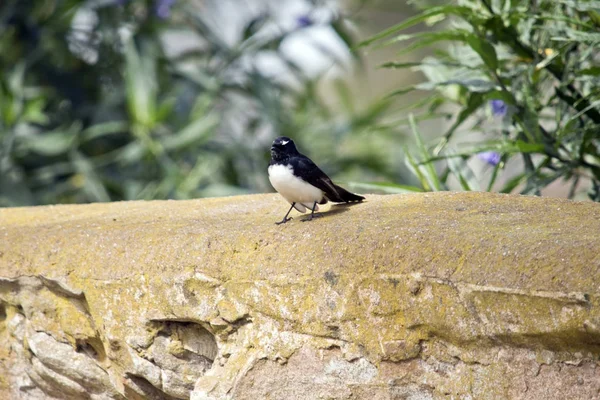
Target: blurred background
(126, 99)
(107, 100)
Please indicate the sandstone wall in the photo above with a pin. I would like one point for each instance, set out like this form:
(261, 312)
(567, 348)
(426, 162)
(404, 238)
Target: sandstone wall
(426, 296)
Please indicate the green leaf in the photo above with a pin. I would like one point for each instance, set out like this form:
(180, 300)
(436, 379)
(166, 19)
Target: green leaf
(593, 71)
(473, 103)
(437, 64)
(140, 79)
(196, 132)
(131, 153)
(405, 90)
(503, 147)
(485, 50)
(53, 143)
(431, 173)
(579, 36)
(92, 186)
(513, 183)
(34, 111)
(103, 129)
(397, 65)
(473, 85)
(344, 94)
(538, 181)
(520, 146)
(430, 12)
(255, 25)
(495, 174)
(427, 39)
(463, 173)
(165, 109)
(556, 18)
(505, 96)
(340, 27)
(593, 105)
(11, 95)
(582, 5)
(415, 169)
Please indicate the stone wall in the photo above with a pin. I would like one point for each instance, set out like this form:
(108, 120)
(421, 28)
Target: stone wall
(424, 296)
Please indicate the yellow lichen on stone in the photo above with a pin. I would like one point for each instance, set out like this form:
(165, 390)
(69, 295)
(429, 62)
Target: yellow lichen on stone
(427, 295)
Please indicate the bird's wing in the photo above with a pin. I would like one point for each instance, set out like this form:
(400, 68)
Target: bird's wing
(310, 173)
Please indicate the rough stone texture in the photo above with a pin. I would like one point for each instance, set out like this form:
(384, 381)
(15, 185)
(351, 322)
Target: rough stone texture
(424, 296)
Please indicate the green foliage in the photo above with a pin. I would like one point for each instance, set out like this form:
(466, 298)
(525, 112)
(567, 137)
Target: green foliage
(532, 65)
(96, 105)
(105, 109)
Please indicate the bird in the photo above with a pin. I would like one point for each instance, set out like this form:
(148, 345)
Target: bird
(298, 180)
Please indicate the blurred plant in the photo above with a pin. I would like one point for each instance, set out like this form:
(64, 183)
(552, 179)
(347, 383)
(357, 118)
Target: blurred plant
(97, 104)
(532, 65)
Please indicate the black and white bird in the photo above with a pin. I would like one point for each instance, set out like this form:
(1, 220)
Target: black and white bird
(301, 182)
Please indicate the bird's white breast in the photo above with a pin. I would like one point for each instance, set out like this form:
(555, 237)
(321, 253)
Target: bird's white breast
(292, 188)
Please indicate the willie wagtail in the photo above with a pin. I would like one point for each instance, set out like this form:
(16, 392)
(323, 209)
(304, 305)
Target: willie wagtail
(300, 181)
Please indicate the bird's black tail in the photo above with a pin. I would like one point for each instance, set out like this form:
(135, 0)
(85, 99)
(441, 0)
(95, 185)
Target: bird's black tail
(344, 196)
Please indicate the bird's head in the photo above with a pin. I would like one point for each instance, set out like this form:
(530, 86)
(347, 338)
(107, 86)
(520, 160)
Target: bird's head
(283, 147)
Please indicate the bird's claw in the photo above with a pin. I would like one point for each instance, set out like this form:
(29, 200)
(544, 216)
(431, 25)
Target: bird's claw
(283, 221)
(311, 217)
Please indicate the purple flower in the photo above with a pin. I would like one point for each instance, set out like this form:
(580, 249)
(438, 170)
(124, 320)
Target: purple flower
(162, 8)
(499, 108)
(303, 21)
(490, 157)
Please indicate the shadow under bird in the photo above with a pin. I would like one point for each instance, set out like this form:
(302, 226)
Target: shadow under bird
(301, 182)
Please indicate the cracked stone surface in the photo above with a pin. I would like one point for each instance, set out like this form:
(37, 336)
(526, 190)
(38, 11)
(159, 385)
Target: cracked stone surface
(445, 295)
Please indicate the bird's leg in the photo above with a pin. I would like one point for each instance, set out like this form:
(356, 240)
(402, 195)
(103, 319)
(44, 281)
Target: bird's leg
(312, 214)
(286, 219)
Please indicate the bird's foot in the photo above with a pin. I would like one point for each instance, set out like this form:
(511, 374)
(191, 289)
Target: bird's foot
(283, 221)
(311, 217)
